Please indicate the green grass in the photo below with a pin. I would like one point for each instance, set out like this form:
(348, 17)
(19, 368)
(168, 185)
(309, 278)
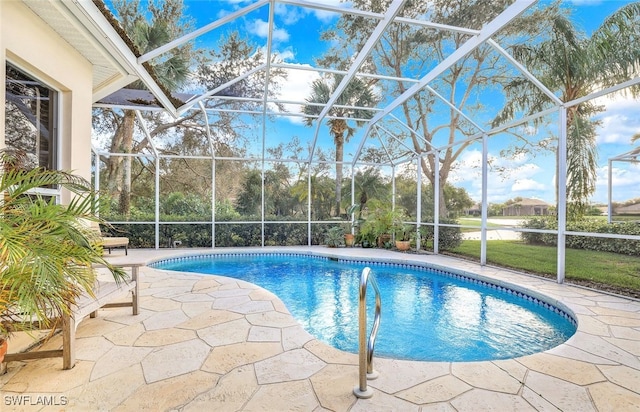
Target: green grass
(475, 222)
(620, 273)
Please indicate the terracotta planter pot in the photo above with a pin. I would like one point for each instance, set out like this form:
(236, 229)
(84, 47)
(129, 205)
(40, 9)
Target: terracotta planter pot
(403, 245)
(3, 349)
(349, 239)
(383, 239)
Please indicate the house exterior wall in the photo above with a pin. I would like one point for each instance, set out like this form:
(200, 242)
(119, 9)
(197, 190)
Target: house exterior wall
(525, 210)
(31, 45)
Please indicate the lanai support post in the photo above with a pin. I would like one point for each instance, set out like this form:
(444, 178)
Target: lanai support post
(562, 193)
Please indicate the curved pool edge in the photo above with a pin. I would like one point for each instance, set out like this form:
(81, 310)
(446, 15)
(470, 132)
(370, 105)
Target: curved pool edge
(396, 258)
(588, 372)
(564, 296)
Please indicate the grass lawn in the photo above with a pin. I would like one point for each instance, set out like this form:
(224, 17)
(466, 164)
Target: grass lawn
(601, 270)
(475, 222)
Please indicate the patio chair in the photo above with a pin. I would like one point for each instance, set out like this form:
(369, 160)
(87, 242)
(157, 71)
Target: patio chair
(109, 242)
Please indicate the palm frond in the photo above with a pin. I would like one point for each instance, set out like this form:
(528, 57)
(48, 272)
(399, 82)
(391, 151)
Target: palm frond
(47, 254)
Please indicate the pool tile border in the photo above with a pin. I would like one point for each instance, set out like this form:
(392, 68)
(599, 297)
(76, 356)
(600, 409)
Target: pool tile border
(523, 293)
(598, 369)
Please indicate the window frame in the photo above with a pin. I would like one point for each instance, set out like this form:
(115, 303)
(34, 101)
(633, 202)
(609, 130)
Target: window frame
(55, 139)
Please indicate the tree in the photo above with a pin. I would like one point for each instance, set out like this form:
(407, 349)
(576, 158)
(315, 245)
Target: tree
(410, 48)
(185, 135)
(166, 23)
(458, 200)
(350, 104)
(250, 197)
(369, 184)
(321, 191)
(573, 65)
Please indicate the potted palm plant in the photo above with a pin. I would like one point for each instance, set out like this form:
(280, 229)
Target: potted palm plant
(401, 230)
(355, 221)
(47, 251)
(402, 234)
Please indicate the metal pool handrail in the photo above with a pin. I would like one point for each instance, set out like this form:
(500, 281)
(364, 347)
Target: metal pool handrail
(365, 351)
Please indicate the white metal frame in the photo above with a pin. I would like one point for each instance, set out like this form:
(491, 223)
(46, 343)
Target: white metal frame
(476, 39)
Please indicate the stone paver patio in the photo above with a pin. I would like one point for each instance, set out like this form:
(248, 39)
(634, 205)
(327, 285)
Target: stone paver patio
(218, 344)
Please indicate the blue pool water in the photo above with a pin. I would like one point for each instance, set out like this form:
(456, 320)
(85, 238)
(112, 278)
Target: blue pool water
(426, 315)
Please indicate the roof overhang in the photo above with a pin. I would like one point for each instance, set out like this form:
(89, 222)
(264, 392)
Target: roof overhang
(87, 30)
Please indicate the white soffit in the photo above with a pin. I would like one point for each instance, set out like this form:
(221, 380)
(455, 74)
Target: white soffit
(108, 74)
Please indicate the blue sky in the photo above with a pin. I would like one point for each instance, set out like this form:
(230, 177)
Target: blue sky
(295, 37)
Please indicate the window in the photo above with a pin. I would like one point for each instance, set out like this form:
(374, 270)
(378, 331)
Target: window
(31, 118)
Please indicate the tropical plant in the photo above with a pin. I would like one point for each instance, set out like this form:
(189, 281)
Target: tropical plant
(47, 249)
(351, 103)
(402, 231)
(574, 66)
(381, 220)
(334, 237)
(368, 184)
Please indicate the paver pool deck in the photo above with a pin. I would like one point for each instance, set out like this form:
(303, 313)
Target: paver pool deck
(212, 343)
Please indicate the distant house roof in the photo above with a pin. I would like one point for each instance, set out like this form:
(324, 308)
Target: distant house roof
(530, 202)
(629, 209)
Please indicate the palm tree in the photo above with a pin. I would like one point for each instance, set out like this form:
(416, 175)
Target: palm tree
(573, 65)
(171, 73)
(369, 184)
(355, 97)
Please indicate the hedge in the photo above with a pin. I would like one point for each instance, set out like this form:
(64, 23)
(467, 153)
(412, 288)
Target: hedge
(227, 234)
(622, 246)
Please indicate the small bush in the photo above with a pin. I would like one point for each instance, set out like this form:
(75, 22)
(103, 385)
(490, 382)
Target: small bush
(448, 237)
(536, 223)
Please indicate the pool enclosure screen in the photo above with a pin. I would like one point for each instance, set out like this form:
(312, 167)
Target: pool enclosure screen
(269, 122)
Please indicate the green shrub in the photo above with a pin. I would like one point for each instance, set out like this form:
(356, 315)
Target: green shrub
(227, 234)
(536, 223)
(448, 237)
(624, 246)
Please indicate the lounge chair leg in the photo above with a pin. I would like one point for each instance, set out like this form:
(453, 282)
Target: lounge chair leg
(68, 342)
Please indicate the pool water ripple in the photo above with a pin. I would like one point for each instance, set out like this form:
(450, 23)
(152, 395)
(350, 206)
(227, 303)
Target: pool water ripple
(427, 314)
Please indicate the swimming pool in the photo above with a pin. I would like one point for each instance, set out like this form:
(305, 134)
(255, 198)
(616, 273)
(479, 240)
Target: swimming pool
(427, 314)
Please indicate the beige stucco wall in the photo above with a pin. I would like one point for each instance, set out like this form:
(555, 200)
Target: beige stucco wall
(28, 43)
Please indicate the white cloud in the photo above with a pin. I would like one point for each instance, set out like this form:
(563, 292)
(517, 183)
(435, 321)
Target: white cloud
(526, 185)
(286, 54)
(261, 29)
(625, 182)
(518, 176)
(296, 88)
(620, 121)
(326, 16)
(289, 15)
(618, 128)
